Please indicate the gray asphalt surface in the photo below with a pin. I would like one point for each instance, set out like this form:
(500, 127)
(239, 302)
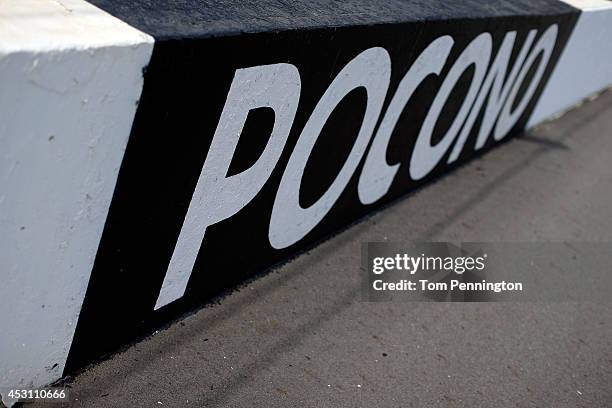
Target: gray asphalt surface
(300, 336)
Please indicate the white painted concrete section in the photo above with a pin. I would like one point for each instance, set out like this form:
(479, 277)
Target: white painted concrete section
(589, 4)
(70, 76)
(53, 25)
(585, 66)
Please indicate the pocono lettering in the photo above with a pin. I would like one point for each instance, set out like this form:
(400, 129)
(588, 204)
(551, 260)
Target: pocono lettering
(277, 86)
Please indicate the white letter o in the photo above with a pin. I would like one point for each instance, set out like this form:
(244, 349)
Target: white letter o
(290, 222)
(425, 156)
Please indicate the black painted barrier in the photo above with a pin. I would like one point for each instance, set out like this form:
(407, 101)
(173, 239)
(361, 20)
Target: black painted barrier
(265, 127)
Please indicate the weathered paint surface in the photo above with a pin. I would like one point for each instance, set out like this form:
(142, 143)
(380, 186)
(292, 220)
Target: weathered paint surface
(70, 78)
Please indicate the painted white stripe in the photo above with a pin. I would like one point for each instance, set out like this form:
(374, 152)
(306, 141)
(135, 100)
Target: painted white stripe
(70, 79)
(585, 67)
(589, 4)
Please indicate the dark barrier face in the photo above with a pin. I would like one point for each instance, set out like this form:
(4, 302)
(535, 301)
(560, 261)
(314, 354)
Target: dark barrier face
(246, 149)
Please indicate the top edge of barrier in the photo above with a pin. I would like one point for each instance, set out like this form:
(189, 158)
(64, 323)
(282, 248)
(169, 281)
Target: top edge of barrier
(56, 25)
(589, 5)
(209, 18)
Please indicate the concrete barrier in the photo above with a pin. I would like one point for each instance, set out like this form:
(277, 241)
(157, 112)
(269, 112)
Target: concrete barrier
(256, 131)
